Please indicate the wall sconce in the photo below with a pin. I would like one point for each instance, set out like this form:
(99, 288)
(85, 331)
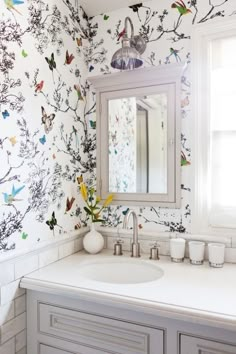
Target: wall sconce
(128, 57)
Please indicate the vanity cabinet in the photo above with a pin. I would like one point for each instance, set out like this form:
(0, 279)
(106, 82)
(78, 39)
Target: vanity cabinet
(84, 324)
(193, 345)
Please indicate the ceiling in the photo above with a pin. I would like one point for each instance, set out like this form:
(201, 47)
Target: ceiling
(97, 7)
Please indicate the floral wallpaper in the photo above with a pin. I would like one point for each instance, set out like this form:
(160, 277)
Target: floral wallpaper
(166, 26)
(47, 134)
(48, 49)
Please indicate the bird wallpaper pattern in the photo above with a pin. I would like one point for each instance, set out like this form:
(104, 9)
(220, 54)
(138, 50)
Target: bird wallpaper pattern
(48, 50)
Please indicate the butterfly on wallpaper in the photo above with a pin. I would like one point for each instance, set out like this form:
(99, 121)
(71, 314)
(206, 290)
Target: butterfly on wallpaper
(5, 114)
(51, 62)
(39, 86)
(24, 53)
(91, 68)
(78, 90)
(53, 156)
(13, 140)
(52, 222)
(125, 211)
(47, 120)
(121, 34)
(24, 235)
(92, 124)
(69, 204)
(136, 7)
(42, 140)
(69, 58)
(80, 179)
(140, 226)
(79, 42)
(105, 17)
(184, 161)
(10, 5)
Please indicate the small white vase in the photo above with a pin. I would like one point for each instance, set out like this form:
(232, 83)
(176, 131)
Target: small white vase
(93, 241)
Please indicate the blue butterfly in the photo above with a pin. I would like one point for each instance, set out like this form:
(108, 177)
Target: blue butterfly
(5, 114)
(91, 68)
(42, 140)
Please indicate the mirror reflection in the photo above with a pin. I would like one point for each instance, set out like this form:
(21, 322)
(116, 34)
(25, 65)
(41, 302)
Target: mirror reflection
(138, 144)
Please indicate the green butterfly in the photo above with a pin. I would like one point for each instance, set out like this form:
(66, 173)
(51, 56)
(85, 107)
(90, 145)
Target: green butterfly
(52, 222)
(105, 17)
(24, 235)
(24, 54)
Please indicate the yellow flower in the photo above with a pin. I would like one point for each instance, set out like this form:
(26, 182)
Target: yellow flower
(83, 191)
(108, 200)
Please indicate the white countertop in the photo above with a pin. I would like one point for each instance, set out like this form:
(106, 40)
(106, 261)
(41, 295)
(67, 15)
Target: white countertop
(199, 294)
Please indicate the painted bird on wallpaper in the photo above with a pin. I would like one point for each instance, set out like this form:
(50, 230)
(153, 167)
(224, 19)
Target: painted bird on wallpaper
(77, 89)
(121, 34)
(39, 86)
(10, 5)
(69, 58)
(47, 120)
(181, 7)
(10, 198)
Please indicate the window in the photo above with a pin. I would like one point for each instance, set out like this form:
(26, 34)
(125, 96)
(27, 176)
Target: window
(214, 77)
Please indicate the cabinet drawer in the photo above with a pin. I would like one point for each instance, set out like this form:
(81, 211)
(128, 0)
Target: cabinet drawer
(101, 333)
(194, 345)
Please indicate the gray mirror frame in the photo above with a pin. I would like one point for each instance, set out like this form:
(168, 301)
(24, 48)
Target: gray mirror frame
(140, 78)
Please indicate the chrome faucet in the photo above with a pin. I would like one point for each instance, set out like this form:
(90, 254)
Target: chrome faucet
(135, 246)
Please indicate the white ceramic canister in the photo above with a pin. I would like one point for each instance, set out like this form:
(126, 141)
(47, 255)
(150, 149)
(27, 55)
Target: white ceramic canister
(216, 253)
(177, 249)
(196, 252)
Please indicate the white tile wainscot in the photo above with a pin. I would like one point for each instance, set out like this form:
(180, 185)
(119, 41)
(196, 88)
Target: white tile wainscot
(13, 299)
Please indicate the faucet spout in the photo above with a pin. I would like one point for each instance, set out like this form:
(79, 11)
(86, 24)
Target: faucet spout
(135, 246)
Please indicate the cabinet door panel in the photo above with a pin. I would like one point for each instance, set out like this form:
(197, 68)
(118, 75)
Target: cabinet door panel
(193, 345)
(101, 333)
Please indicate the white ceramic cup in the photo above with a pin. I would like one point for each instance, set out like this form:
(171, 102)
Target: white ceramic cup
(177, 249)
(196, 252)
(216, 253)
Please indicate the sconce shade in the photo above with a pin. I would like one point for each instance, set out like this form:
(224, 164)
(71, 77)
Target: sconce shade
(126, 58)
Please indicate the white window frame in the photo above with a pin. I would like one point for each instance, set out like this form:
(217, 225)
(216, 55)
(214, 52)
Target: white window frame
(202, 35)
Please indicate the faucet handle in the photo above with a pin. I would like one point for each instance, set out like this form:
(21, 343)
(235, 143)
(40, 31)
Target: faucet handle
(118, 248)
(154, 251)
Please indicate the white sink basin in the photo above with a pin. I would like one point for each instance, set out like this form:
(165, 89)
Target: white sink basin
(122, 271)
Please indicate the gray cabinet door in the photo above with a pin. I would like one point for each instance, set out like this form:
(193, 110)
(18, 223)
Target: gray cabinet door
(194, 345)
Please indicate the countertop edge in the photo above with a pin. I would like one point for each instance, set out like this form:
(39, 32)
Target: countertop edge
(130, 303)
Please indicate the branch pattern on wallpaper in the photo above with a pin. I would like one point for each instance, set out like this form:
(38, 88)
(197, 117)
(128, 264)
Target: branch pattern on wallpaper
(46, 143)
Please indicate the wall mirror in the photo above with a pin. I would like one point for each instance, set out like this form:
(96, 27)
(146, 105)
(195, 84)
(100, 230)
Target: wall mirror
(138, 136)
